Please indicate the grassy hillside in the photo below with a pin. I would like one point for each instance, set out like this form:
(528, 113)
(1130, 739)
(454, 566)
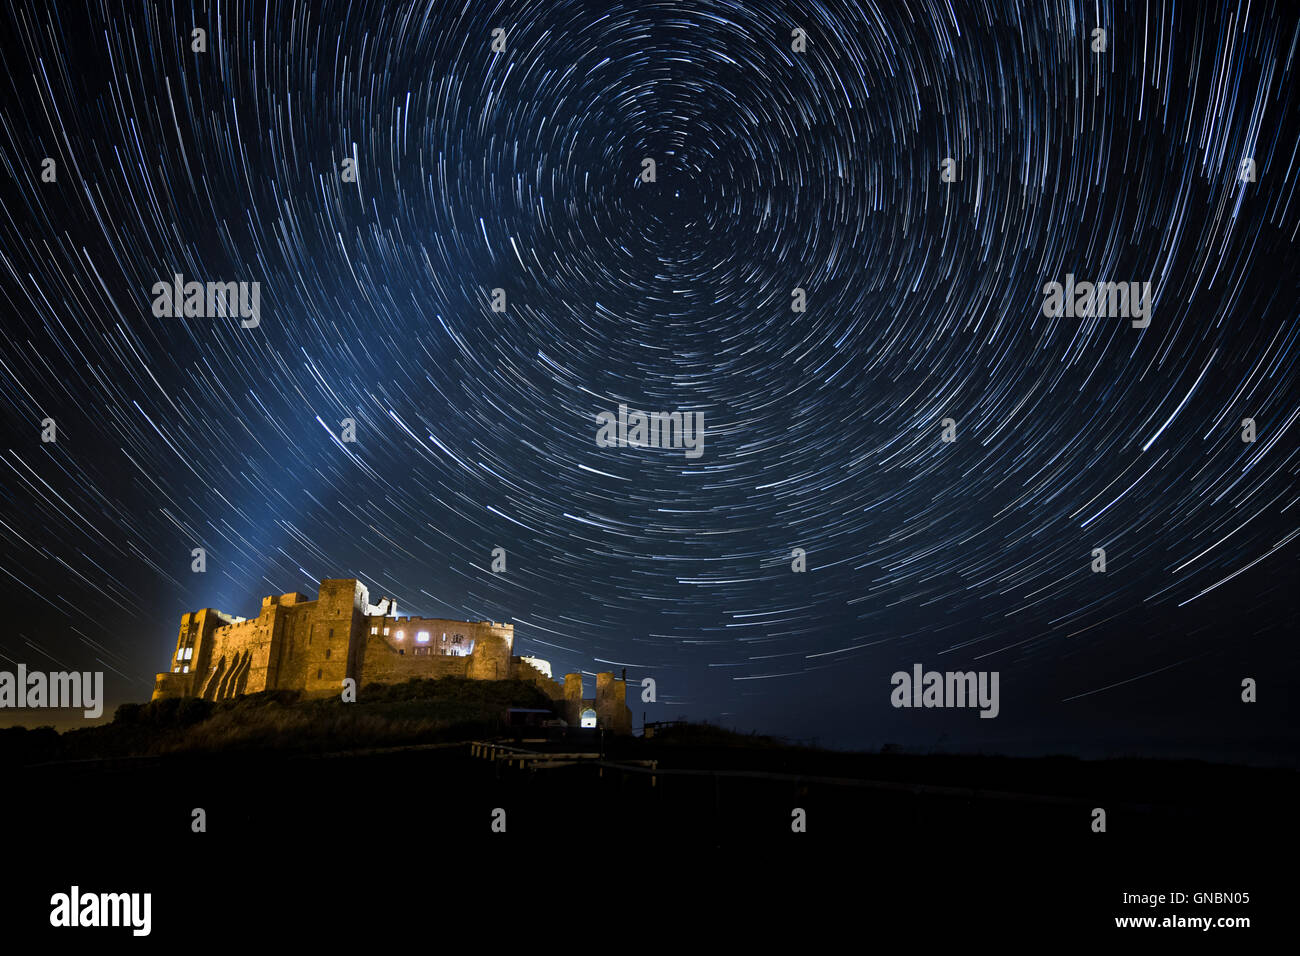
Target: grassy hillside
(419, 711)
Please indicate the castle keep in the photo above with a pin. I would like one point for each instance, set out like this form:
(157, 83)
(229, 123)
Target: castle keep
(311, 646)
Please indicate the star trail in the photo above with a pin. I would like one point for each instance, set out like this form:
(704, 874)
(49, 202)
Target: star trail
(520, 168)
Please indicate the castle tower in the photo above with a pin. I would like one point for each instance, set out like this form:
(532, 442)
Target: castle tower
(611, 704)
(191, 660)
(491, 657)
(335, 635)
(572, 699)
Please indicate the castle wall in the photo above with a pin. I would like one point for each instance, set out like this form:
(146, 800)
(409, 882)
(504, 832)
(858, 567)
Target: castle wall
(200, 633)
(240, 653)
(198, 639)
(611, 704)
(386, 664)
(171, 685)
(520, 669)
(293, 631)
(491, 658)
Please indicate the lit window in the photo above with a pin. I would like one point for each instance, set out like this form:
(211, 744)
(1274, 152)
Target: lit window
(185, 669)
(422, 637)
(374, 630)
(176, 670)
(385, 632)
(189, 652)
(400, 634)
(444, 638)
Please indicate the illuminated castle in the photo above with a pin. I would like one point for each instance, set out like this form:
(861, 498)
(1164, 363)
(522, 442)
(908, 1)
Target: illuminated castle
(313, 646)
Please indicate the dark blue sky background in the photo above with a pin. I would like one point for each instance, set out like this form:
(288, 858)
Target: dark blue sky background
(519, 170)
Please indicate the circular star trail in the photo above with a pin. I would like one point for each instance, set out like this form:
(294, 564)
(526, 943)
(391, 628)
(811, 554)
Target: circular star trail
(776, 169)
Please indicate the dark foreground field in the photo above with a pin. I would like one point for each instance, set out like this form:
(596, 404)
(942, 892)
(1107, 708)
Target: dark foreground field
(323, 847)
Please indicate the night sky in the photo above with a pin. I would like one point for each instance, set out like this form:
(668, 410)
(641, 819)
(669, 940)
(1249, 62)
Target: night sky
(521, 170)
